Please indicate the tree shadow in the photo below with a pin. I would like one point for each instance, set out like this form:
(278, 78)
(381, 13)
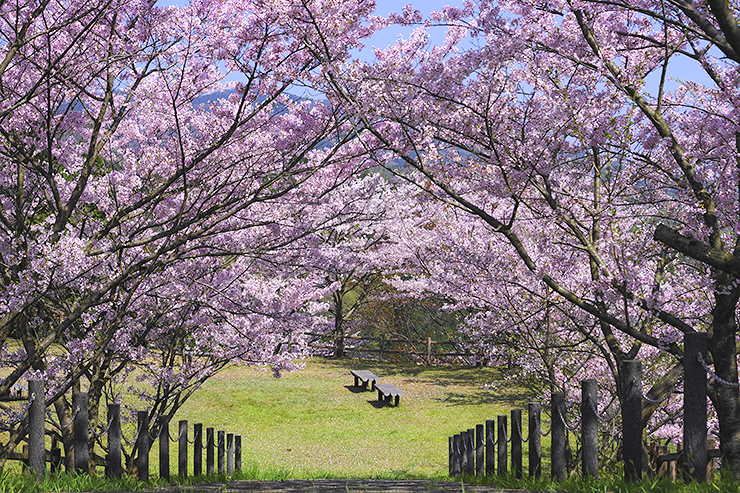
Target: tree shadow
(469, 380)
(508, 398)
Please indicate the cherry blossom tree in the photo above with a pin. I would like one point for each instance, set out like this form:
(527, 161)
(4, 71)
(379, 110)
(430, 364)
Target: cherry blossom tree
(155, 170)
(556, 138)
(360, 254)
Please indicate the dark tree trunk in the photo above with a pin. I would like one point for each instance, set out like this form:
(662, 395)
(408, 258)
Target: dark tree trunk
(64, 415)
(338, 324)
(726, 398)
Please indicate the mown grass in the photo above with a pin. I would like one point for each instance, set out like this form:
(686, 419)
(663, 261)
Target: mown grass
(314, 423)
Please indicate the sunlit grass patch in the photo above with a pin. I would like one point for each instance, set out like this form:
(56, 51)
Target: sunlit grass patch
(314, 423)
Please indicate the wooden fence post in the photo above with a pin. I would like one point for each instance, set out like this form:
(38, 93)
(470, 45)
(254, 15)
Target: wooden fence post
(535, 444)
(673, 466)
(198, 449)
(142, 445)
(501, 464)
(164, 447)
(471, 452)
(382, 340)
(457, 443)
(182, 449)
(516, 442)
(221, 447)
(589, 428)
(56, 458)
(557, 436)
(209, 451)
(662, 469)
(480, 465)
(113, 466)
(631, 425)
(694, 464)
(238, 453)
(230, 454)
(24, 461)
(711, 445)
(81, 425)
(490, 447)
(450, 455)
(36, 427)
(464, 452)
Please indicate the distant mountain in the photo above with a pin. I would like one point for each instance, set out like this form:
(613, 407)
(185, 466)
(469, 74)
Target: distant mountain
(215, 96)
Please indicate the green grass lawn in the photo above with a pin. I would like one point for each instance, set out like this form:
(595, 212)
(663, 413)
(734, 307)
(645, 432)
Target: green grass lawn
(314, 423)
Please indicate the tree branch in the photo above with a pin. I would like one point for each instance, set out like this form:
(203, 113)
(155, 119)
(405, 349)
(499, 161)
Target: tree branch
(697, 250)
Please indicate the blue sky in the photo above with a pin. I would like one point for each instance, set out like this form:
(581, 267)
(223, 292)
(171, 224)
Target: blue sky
(383, 7)
(388, 36)
(685, 69)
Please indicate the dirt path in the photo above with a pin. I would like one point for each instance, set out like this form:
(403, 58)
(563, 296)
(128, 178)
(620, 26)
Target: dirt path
(333, 486)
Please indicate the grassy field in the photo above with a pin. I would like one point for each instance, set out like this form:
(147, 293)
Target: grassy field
(314, 423)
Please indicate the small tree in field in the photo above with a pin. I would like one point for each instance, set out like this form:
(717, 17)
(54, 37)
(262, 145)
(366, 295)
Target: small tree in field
(352, 257)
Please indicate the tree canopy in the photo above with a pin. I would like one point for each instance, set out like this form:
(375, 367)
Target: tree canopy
(171, 203)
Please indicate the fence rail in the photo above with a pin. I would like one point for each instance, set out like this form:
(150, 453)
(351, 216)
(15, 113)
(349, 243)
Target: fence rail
(428, 354)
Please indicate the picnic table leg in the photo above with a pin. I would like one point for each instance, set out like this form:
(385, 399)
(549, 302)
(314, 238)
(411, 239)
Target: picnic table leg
(357, 382)
(398, 398)
(373, 387)
(380, 397)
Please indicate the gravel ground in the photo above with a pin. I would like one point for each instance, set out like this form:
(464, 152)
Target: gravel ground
(333, 486)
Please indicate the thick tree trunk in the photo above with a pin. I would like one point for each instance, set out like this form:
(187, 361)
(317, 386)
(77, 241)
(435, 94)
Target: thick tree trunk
(64, 415)
(722, 337)
(726, 398)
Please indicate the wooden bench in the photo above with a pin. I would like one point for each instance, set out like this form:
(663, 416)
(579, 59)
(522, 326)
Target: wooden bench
(17, 392)
(388, 390)
(364, 376)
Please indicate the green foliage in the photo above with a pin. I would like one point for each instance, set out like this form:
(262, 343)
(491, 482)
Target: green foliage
(414, 319)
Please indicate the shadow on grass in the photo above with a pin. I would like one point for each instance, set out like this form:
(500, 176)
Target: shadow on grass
(445, 377)
(356, 390)
(465, 399)
(377, 404)
(509, 398)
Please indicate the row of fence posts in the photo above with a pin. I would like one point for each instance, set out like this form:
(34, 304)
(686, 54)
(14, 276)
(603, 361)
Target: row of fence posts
(474, 452)
(223, 450)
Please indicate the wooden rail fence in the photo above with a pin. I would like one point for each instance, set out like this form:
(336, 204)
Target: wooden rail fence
(386, 346)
